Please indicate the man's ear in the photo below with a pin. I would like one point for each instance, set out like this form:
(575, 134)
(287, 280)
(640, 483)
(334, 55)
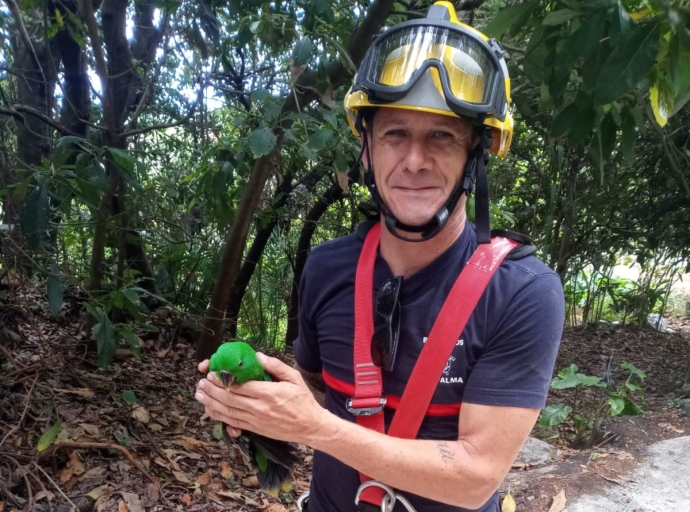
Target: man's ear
(365, 156)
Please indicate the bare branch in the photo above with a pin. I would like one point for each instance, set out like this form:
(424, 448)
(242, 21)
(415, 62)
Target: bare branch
(163, 126)
(16, 112)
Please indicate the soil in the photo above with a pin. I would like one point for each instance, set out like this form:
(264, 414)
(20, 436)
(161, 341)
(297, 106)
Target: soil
(159, 453)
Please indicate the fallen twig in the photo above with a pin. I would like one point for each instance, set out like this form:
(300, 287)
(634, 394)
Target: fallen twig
(99, 446)
(26, 408)
(29, 493)
(55, 485)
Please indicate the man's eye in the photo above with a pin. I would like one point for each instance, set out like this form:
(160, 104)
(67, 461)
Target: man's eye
(442, 135)
(395, 133)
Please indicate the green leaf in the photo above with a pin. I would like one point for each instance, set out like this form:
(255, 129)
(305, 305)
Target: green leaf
(48, 438)
(560, 16)
(261, 141)
(123, 160)
(576, 120)
(593, 64)
(330, 117)
(628, 137)
(627, 64)
(218, 431)
(301, 53)
(554, 415)
(617, 404)
(582, 125)
(320, 139)
(54, 288)
(129, 397)
(104, 334)
(71, 140)
(506, 17)
(133, 341)
(631, 409)
(634, 370)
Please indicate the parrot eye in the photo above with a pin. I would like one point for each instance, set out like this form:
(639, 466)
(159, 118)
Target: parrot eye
(239, 365)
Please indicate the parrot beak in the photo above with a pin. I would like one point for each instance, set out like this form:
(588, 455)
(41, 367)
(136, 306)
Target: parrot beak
(227, 378)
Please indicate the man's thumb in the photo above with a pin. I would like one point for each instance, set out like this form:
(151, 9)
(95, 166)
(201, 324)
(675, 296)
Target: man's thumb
(276, 368)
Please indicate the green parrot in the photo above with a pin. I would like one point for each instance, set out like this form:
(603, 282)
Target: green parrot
(235, 362)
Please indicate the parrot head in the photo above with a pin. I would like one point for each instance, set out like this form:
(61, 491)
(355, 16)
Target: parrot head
(235, 362)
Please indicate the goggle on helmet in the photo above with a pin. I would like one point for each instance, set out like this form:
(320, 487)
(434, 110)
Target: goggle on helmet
(438, 65)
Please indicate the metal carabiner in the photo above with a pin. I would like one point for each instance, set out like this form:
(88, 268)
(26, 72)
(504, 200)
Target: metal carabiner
(389, 500)
(300, 500)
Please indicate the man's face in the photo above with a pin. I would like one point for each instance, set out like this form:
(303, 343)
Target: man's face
(418, 160)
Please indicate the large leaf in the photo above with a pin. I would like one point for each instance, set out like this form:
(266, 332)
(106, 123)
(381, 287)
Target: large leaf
(261, 141)
(554, 415)
(617, 404)
(634, 370)
(123, 160)
(628, 63)
(506, 17)
(320, 139)
(34, 216)
(301, 53)
(559, 17)
(132, 339)
(104, 334)
(54, 288)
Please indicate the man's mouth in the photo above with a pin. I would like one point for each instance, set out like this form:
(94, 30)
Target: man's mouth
(227, 378)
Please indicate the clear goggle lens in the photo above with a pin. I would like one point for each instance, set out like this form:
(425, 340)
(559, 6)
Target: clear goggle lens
(467, 64)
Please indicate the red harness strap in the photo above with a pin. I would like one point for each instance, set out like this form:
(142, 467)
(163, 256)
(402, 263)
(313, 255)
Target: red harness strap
(368, 402)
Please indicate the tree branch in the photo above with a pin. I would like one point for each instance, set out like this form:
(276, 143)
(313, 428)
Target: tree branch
(15, 111)
(182, 121)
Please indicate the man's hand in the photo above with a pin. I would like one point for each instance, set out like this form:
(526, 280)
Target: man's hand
(285, 410)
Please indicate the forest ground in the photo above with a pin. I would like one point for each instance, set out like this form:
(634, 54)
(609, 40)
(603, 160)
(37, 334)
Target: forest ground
(159, 453)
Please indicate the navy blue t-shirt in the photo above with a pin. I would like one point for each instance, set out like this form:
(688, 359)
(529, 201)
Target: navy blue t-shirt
(505, 355)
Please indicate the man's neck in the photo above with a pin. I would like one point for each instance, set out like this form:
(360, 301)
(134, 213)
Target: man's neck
(406, 258)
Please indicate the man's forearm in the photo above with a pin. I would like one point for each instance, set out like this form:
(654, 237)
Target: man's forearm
(447, 471)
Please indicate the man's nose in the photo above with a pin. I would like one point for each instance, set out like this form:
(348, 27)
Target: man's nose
(417, 156)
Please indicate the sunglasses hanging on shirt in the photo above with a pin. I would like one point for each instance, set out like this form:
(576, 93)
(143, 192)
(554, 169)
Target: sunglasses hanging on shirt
(384, 342)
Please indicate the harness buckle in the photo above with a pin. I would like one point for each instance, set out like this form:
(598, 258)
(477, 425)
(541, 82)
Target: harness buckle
(389, 499)
(365, 411)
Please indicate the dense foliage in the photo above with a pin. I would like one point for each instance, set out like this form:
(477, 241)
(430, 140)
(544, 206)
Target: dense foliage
(184, 156)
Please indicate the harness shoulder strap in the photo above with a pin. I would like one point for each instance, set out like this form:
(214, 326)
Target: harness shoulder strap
(368, 401)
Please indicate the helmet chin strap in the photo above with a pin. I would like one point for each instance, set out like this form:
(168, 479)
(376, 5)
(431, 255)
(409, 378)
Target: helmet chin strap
(475, 169)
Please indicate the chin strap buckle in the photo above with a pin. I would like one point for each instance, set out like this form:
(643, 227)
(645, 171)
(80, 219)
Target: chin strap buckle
(389, 499)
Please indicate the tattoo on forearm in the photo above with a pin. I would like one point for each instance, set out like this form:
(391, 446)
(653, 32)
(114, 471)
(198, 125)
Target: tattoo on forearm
(447, 452)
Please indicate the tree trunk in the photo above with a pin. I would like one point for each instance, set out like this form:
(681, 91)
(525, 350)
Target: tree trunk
(333, 194)
(235, 240)
(121, 93)
(35, 85)
(305, 92)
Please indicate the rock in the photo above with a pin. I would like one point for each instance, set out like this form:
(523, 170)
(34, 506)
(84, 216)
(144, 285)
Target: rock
(535, 451)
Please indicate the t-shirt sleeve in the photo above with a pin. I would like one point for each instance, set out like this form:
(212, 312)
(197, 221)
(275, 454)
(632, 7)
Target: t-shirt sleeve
(517, 366)
(306, 347)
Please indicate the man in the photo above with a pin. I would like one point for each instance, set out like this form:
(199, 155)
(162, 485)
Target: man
(428, 101)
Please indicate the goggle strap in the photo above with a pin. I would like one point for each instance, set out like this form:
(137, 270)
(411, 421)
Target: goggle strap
(481, 199)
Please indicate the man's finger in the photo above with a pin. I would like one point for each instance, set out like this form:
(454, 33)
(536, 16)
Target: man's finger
(203, 366)
(279, 369)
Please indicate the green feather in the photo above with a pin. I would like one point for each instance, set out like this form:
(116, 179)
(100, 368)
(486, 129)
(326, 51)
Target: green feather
(261, 460)
(239, 359)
